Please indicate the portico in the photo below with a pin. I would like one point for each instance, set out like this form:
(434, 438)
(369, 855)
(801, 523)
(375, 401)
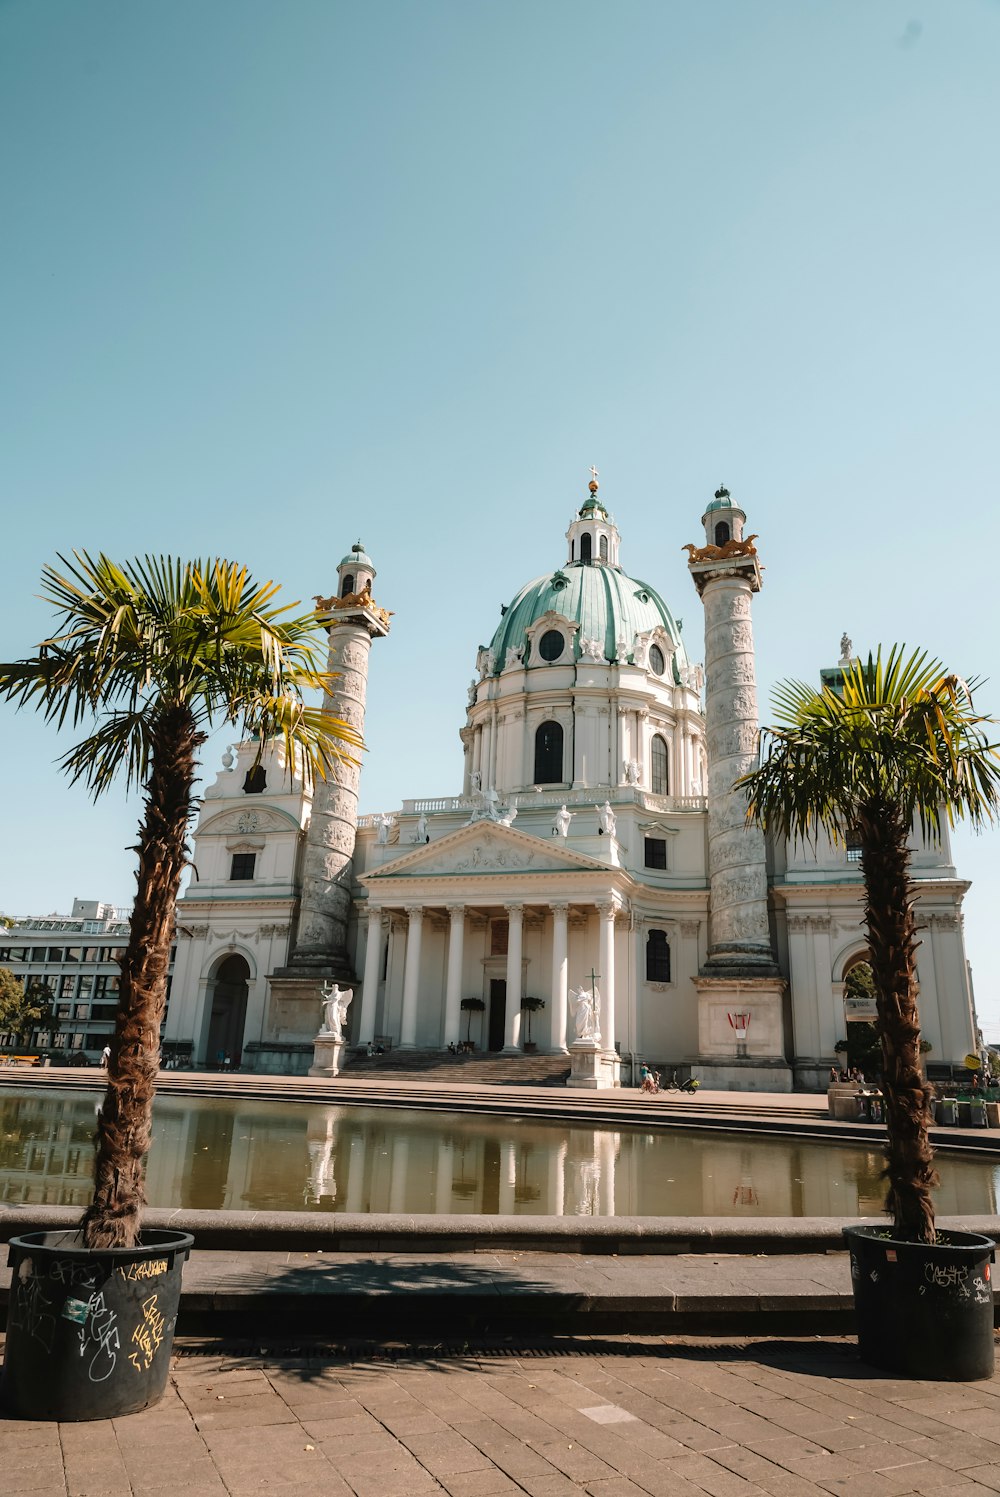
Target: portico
(533, 920)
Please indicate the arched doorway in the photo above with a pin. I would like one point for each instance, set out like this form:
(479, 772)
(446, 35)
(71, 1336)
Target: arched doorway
(229, 1012)
(864, 1049)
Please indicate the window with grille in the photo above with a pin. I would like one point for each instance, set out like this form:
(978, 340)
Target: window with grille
(549, 754)
(242, 866)
(659, 767)
(655, 850)
(657, 956)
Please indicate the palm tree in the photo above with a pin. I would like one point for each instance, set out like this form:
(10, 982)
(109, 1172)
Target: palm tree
(898, 744)
(150, 655)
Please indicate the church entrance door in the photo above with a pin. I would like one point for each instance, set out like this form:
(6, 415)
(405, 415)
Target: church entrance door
(498, 1012)
(229, 1013)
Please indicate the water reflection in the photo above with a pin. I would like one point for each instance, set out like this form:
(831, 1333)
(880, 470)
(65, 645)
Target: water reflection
(234, 1155)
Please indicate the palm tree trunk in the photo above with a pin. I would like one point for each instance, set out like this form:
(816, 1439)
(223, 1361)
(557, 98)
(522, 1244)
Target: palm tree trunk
(125, 1120)
(892, 942)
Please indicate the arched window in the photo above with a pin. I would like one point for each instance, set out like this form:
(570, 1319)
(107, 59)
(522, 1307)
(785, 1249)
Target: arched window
(659, 766)
(586, 547)
(348, 586)
(657, 957)
(549, 754)
(256, 780)
(604, 548)
(721, 533)
(572, 550)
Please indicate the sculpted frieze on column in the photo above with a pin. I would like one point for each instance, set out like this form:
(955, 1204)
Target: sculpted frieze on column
(728, 812)
(727, 638)
(739, 886)
(729, 847)
(737, 923)
(723, 604)
(732, 670)
(733, 740)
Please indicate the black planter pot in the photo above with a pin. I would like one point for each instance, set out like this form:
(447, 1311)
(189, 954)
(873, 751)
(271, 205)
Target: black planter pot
(924, 1309)
(89, 1334)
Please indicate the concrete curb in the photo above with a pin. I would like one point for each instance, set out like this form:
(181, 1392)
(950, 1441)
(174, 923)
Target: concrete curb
(287, 1231)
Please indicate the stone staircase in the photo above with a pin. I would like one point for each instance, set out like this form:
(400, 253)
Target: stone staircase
(485, 1069)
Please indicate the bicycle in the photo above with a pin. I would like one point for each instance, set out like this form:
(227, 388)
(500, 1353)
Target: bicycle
(689, 1087)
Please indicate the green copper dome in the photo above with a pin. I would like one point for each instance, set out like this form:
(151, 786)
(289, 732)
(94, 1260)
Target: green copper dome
(358, 557)
(723, 500)
(604, 602)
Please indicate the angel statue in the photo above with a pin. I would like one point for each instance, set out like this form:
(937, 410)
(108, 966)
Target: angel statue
(586, 1006)
(335, 1001)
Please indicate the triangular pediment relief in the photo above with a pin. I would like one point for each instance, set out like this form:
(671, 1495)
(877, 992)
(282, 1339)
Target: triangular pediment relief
(487, 847)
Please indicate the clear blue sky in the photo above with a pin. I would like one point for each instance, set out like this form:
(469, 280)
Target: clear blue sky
(277, 275)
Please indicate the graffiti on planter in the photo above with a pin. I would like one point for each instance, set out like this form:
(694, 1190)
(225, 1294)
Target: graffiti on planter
(147, 1335)
(70, 1271)
(99, 1337)
(30, 1311)
(981, 1291)
(947, 1276)
(150, 1268)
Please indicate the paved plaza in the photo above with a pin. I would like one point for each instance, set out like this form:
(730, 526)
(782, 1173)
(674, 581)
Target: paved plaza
(652, 1417)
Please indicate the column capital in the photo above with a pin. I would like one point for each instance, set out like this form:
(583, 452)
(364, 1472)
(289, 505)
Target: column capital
(414, 911)
(374, 912)
(514, 909)
(456, 911)
(606, 907)
(559, 906)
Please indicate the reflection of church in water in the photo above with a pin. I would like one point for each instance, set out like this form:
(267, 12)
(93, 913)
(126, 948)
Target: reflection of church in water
(595, 831)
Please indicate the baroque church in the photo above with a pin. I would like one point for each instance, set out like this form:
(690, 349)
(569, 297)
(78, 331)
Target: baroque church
(594, 847)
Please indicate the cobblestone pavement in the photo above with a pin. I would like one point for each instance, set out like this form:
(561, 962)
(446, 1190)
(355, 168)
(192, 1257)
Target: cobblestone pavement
(657, 1417)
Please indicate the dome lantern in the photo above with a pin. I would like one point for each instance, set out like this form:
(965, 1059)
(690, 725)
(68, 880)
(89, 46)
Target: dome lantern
(593, 535)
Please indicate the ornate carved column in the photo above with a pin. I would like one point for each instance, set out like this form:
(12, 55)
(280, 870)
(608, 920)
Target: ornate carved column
(321, 943)
(453, 981)
(352, 621)
(560, 978)
(411, 978)
(515, 929)
(373, 962)
(741, 972)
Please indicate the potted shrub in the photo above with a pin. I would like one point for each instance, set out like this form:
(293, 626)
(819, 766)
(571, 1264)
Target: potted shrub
(150, 656)
(471, 1006)
(896, 744)
(530, 1006)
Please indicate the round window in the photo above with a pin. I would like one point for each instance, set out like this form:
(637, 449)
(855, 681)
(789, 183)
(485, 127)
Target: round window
(657, 664)
(551, 645)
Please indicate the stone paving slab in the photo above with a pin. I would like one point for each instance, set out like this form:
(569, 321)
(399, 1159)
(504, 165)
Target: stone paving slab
(651, 1416)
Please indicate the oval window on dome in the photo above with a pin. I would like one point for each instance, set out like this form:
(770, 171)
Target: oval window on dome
(657, 664)
(551, 645)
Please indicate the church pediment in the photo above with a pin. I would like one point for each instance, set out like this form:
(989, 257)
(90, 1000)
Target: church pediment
(488, 847)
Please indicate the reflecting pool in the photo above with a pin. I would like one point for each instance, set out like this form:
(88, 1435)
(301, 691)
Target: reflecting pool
(228, 1154)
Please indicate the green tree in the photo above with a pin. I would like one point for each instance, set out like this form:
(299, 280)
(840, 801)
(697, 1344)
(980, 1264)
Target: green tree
(898, 745)
(22, 1010)
(147, 657)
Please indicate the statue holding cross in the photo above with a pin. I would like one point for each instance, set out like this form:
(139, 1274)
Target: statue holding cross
(586, 1007)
